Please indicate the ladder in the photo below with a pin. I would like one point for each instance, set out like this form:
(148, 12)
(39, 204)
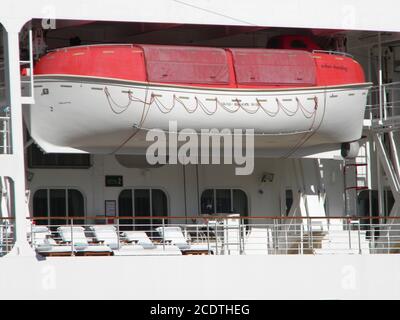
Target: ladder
(352, 190)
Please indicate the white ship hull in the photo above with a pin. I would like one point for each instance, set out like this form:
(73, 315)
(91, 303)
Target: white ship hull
(103, 116)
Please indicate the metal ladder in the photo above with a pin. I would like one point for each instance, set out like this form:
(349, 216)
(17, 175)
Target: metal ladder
(355, 188)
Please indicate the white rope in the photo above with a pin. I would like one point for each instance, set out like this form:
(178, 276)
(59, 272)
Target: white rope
(154, 100)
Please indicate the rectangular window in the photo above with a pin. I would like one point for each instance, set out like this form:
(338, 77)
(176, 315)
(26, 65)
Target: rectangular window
(224, 204)
(142, 208)
(224, 201)
(58, 203)
(38, 159)
(144, 203)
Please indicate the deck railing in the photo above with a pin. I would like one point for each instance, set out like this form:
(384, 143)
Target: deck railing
(383, 105)
(222, 235)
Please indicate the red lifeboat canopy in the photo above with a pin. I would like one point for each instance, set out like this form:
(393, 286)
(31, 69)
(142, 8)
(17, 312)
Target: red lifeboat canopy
(269, 67)
(193, 65)
(201, 66)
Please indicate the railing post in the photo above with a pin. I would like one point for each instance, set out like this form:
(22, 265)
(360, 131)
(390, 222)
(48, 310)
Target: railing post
(208, 236)
(72, 237)
(311, 237)
(216, 238)
(388, 240)
(309, 232)
(240, 236)
(302, 239)
(348, 227)
(359, 238)
(372, 235)
(227, 228)
(285, 229)
(276, 245)
(118, 235)
(243, 232)
(163, 233)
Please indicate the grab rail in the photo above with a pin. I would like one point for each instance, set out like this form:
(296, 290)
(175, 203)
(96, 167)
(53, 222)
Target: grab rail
(339, 53)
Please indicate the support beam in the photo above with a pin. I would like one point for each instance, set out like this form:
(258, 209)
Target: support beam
(17, 170)
(384, 159)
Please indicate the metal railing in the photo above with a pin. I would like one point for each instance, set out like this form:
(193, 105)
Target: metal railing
(225, 235)
(6, 235)
(383, 105)
(5, 140)
(338, 53)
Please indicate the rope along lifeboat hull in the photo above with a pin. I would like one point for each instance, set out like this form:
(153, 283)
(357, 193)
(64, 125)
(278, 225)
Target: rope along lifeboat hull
(104, 110)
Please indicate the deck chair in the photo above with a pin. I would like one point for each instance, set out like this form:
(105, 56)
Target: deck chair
(44, 244)
(76, 235)
(258, 241)
(175, 236)
(107, 235)
(142, 239)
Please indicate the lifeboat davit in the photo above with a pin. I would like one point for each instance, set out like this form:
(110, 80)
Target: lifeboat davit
(103, 99)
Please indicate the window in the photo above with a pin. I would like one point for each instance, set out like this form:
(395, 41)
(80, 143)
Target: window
(288, 200)
(38, 159)
(217, 201)
(367, 203)
(298, 44)
(142, 203)
(368, 206)
(58, 203)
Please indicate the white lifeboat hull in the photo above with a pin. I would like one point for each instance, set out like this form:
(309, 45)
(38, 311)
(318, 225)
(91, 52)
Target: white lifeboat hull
(104, 116)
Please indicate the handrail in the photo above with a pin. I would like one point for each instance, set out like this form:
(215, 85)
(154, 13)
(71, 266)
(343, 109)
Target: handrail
(339, 53)
(382, 103)
(225, 235)
(207, 217)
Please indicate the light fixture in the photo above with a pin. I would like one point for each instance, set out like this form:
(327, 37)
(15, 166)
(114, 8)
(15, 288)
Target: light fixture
(29, 175)
(267, 177)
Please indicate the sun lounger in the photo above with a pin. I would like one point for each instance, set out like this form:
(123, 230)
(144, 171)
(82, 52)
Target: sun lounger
(76, 236)
(45, 245)
(107, 235)
(142, 239)
(175, 236)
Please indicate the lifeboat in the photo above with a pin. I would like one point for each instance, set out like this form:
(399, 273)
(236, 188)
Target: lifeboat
(103, 99)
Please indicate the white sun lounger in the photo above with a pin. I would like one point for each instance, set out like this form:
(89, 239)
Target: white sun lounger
(142, 239)
(175, 236)
(44, 244)
(107, 234)
(76, 235)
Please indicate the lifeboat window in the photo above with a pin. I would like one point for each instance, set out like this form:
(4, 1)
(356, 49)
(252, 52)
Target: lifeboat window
(38, 159)
(143, 203)
(59, 203)
(222, 201)
(273, 67)
(174, 64)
